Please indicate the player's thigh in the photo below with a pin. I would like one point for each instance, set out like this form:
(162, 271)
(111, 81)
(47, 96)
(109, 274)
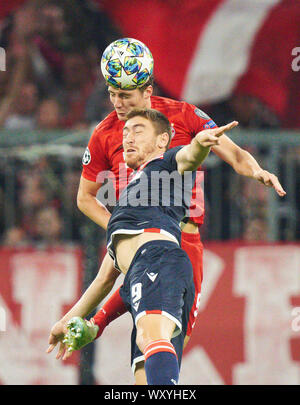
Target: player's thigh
(153, 327)
(158, 284)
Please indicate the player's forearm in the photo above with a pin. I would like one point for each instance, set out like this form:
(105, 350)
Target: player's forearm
(89, 301)
(96, 292)
(92, 208)
(245, 164)
(191, 156)
(197, 153)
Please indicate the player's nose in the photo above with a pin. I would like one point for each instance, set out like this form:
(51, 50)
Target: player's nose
(117, 102)
(129, 138)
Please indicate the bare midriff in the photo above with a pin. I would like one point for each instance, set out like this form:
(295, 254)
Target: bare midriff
(127, 245)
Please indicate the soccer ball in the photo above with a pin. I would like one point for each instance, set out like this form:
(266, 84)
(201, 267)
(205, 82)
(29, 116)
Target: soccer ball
(127, 64)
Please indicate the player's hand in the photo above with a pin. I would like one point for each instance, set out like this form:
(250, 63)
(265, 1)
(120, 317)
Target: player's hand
(210, 137)
(270, 180)
(57, 335)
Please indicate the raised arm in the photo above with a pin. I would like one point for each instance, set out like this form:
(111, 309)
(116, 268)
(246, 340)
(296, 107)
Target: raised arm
(245, 164)
(191, 156)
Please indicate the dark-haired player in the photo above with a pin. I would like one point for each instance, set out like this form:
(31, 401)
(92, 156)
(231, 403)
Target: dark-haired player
(144, 240)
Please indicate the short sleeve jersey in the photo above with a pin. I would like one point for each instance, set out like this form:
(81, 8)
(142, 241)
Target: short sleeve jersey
(104, 158)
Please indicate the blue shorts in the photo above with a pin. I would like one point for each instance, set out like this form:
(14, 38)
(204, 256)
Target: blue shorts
(159, 280)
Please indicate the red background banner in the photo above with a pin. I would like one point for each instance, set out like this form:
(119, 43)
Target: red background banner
(36, 288)
(247, 330)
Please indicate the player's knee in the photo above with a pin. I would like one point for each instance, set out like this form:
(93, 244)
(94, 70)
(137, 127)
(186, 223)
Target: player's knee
(144, 336)
(153, 327)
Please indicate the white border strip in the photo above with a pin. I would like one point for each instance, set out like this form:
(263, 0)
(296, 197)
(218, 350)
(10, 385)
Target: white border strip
(135, 361)
(177, 330)
(223, 50)
(139, 231)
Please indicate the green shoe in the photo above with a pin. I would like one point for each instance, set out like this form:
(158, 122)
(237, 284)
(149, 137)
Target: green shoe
(80, 333)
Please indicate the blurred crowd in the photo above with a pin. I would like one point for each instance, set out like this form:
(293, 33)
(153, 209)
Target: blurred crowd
(39, 205)
(52, 75)
(51, 81)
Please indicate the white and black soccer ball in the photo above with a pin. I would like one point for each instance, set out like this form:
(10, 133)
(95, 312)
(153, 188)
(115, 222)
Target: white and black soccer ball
(127, 64)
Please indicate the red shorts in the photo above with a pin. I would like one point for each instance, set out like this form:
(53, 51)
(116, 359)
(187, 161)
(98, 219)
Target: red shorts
(192, 245)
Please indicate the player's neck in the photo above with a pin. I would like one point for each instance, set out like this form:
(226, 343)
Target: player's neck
(150, 157)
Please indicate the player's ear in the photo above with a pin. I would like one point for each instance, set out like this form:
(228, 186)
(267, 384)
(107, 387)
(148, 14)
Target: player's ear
(148, 92)
(163, 140)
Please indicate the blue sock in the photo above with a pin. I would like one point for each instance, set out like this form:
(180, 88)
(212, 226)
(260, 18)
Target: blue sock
(161, 364)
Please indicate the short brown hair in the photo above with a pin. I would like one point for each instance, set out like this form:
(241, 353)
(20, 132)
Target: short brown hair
(150, 82)
(159, 120)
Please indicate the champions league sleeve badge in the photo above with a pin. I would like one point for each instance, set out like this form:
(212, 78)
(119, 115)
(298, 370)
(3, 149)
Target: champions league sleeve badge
(201, 114)
(86, 157)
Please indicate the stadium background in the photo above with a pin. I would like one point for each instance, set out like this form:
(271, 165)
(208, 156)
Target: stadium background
(234, 59)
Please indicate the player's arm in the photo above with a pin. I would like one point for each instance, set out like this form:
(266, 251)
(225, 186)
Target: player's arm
(96, 292)
(88, 204)
(190, 157)
(245, 164)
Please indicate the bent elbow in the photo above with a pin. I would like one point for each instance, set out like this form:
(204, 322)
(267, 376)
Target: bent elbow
(80, 202)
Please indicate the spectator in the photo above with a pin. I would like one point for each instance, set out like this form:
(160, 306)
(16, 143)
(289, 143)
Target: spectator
(256, 230)
(49, 114)
(48, 225)
(13, 80)
(51, 30)
(48, 47)
(249, 111)
(15, 237)
(98, 104)
(23, 111)
(78, 85)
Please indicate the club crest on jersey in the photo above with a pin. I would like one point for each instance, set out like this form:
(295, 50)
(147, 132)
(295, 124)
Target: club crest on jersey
(201, 114)
(86, 157)
(173, 132)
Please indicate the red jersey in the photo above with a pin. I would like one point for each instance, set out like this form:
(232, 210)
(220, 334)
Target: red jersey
(104, 155)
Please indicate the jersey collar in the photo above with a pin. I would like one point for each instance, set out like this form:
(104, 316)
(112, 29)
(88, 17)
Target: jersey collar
(140, 168)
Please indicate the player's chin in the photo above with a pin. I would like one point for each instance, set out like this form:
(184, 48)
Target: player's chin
(121, 116)
(131, 162)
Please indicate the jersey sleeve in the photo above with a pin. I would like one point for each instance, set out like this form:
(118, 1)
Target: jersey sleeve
(94, 160)
(196, 120)
(169, 159)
